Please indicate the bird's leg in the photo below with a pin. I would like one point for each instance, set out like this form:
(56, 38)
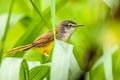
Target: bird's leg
(45, 53)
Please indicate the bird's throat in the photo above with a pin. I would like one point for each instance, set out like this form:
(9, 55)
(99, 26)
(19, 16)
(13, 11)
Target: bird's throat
(63, 36)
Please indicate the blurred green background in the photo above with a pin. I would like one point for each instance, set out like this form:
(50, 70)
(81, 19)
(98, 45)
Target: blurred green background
(96, 45)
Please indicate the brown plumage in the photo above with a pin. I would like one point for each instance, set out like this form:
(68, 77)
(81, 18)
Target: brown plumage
(41, 41)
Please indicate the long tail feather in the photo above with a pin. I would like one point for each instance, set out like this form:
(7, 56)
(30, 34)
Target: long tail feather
(18, 49)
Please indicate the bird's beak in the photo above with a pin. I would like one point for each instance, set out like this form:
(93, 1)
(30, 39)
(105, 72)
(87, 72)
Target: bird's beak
(77, 25)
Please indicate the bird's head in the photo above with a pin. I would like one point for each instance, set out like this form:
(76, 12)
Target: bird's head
(66, 28)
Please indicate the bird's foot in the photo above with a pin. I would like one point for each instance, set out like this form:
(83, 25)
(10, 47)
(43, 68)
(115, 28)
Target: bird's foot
(46, 54)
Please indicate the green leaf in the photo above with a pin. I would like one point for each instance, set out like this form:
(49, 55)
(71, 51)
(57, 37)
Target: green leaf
(24, 72)
(32, 64)
(39, 72)
(75, 70)
(41, 16)
(116, 65)
(107, 60)
(13, 69)
(3, 19)
(87, 77)
(33, 55)
(6, 29)
(53, 16)
(60, 61)
(112, 3)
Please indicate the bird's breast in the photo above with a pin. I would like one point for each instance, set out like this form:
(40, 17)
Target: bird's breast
(64, 37)
(45, 49)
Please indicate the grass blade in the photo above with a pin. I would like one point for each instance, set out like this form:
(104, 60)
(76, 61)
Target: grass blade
(24, 72)
(87, 77)
(6, 30)
(32, 64)
(74, 68)
(13, 69)
(107, 60)
(60, 61)
(53, 16)
(37, 10)
(39, 72)
(112, 3)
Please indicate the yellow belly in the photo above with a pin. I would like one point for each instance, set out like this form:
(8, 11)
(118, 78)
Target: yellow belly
(45, 49)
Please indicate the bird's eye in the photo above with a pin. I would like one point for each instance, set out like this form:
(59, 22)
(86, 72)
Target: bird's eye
(70, 24)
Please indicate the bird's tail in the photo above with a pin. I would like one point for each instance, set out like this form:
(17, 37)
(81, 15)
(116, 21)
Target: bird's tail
(18, 49)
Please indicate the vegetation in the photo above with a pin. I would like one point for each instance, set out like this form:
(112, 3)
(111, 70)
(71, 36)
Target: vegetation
(92, 53)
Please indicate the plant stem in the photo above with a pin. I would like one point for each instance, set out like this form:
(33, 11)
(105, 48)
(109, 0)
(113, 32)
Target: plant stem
(6, 30)
(37, 10)
(53, 16)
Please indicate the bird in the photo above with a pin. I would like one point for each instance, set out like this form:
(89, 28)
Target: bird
(45, 42)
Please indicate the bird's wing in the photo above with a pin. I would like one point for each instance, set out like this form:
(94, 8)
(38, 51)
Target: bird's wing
(18, 49)
(44, 39)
